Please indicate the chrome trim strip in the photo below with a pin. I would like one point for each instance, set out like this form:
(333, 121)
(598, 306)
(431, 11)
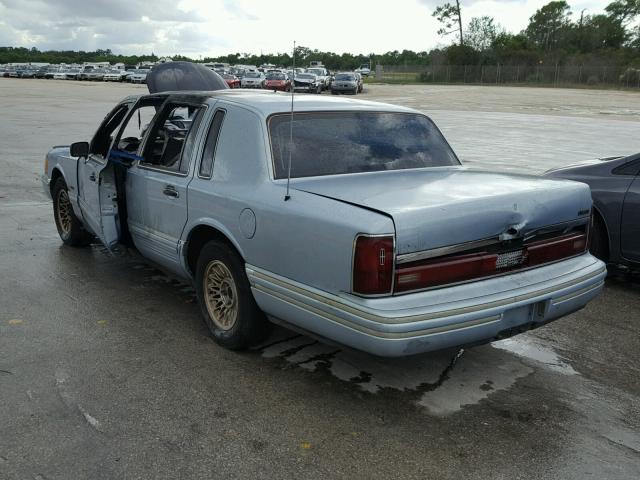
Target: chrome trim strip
(577, 293)
(343, 306)
(145, 166)
(460, 247)
(375, 333)
(441, 251)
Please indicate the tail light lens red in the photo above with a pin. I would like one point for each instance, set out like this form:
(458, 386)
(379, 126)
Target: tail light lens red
(465, 267)
(547, 251)
(373, 261)
(451, 270)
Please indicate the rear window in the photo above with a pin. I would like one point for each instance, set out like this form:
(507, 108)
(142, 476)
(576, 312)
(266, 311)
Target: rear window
(332, 143)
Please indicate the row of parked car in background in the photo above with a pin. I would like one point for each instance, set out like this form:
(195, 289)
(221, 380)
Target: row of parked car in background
(55, 72)
(314, 79)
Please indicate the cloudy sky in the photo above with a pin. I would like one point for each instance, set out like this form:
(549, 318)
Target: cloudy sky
(214, 27)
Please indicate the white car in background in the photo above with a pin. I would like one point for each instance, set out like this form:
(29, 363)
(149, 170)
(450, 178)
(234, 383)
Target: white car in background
(364, 70)
(114, 76)
(322, 74)
(252, 80)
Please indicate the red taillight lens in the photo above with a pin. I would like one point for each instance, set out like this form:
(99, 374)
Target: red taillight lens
(456, 269)
(550, 250)
(476, 265)
(373, 265)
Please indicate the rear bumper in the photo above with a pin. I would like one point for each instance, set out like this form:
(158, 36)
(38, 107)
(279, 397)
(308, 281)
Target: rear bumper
(341, 88)
(432, 320)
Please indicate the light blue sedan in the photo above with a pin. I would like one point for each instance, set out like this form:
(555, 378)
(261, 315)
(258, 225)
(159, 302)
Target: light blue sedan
(351, 220)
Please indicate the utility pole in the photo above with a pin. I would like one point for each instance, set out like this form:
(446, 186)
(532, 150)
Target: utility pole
(459, 21)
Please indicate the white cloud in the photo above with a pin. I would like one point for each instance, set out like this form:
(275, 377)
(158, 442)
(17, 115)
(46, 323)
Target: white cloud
(214, 27)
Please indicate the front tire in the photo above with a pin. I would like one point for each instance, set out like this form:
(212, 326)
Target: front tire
(227, 304)
(69, 226)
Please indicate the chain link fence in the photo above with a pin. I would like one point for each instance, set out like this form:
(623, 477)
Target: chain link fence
(543, 75)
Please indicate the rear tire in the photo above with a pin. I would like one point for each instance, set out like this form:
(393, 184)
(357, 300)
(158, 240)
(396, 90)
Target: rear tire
(70, 228)
(227, 304)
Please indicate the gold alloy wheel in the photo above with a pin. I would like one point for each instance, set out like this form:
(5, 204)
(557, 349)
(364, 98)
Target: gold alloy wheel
(220, 295)
(64, 211)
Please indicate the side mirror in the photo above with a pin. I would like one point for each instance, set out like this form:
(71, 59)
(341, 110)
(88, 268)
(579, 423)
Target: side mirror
(79, 149)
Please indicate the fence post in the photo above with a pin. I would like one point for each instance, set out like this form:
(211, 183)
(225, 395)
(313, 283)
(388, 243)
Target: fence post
(580, 74)
(556, 76)
(497, 73)
(538, 73)
(448, 73)
(464, 78)
(604, 74)
(481, 73)
(517, 73)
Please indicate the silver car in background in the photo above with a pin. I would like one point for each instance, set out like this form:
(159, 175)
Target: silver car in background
(139, 76)
(307, 82)
(252, 80)
(345, 82)
(322, 74)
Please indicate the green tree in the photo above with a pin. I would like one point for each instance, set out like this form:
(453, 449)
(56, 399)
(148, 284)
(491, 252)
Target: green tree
(481, 33)
(595, 32)
(450, 16)
(548, 27)
(624, 10)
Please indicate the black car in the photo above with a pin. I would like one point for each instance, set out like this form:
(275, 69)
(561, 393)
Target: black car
(615, 188)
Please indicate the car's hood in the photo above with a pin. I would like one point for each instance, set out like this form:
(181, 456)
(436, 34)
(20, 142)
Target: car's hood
(176, 76)
(443, 206)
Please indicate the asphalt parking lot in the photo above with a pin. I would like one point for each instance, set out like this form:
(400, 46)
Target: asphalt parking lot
(107, 370)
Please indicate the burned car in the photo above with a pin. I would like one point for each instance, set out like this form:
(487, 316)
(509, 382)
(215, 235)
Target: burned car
(352, 220)
(307, 82)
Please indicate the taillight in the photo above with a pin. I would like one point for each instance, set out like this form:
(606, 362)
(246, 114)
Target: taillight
(455, 269)
(464, 267)
(373, 261)
(550, 250)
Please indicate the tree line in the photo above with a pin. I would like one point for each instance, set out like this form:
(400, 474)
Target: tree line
(554, 35)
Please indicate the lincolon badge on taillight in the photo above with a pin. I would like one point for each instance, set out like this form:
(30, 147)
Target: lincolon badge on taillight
(373, 264)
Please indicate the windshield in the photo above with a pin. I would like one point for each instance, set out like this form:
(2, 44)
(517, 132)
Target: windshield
(332, 143)
(317, 71)
(276, 76)
(306, 76)
(345, 76)
(252, 75)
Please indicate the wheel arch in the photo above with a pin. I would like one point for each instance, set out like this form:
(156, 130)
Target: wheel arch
(56, 173)
(198, 236)
(598, 217)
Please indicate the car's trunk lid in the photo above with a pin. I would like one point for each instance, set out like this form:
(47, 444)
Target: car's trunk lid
(437, 207)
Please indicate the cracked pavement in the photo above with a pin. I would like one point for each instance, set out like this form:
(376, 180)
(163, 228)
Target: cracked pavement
(107, 371)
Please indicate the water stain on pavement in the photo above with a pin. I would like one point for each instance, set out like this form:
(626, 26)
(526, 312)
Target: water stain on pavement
(444, 382)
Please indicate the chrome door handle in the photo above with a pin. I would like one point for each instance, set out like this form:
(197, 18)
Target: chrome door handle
(170, 191)
(92, 177)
